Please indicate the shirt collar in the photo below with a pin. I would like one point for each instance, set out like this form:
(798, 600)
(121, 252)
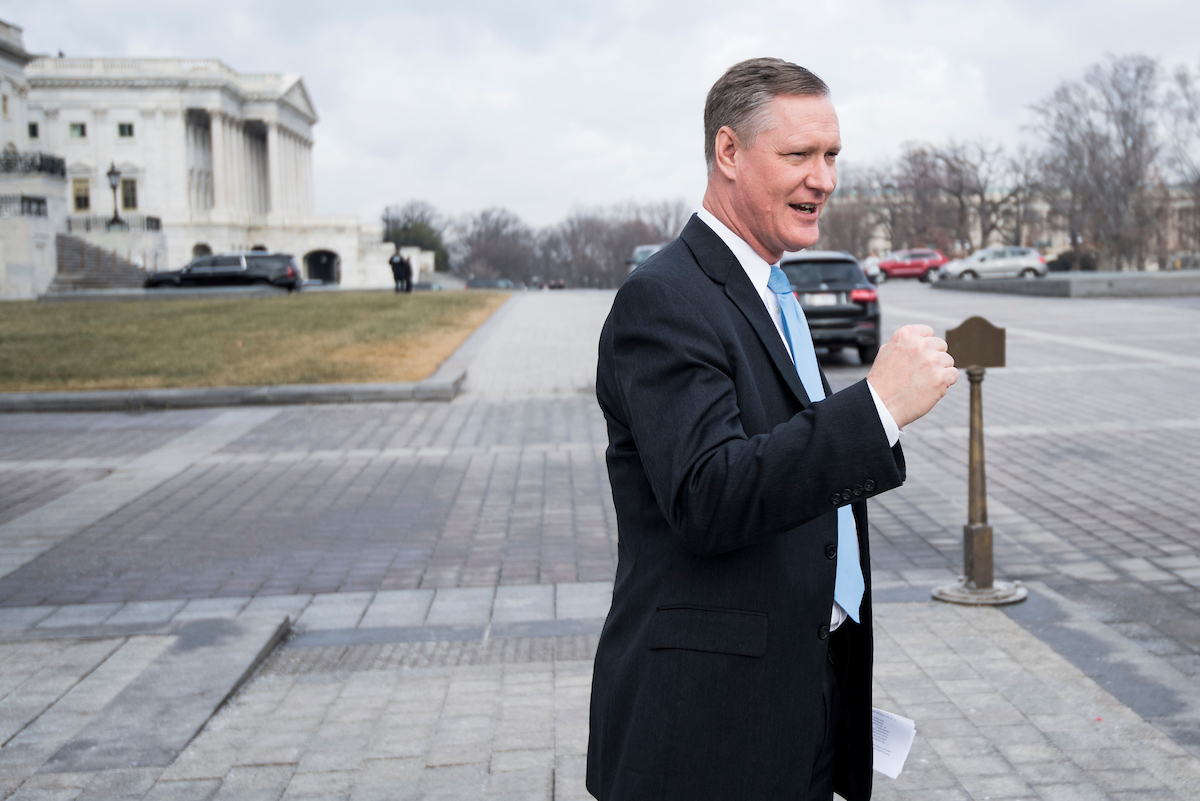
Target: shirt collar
(756, 267)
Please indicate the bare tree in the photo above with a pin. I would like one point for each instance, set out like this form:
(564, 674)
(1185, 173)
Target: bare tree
(1021, 220)
(589, 248)
(955, 173)
(1101, 151)
(417, 224)
(495, 243)
(848, 222)
(914, 207)
(887, 205)
(1183, 115)
(412, 212)
(666, 219)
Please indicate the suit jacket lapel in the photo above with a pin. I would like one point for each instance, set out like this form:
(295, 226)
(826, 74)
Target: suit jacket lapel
(719, 263)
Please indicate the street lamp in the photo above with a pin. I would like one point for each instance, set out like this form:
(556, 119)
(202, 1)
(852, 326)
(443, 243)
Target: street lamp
(114, 180)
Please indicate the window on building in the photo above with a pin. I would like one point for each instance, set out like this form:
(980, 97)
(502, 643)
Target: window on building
(4, 105)
(33, 130)
(125, 130)
(79, 130)
(79, 189)
(129, 194)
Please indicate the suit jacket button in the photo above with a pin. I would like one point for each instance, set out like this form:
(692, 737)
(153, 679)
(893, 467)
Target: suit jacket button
(858, 489)
(823, 632)
(836, 499)
(869, 485)
(847, 494)
(831, 551)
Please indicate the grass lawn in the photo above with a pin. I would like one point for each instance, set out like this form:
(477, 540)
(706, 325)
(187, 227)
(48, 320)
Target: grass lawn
(304, 338)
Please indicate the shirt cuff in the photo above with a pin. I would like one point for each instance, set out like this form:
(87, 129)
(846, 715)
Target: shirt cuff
(889, 423)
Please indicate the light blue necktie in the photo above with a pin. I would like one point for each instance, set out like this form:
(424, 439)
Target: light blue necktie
(848, 583)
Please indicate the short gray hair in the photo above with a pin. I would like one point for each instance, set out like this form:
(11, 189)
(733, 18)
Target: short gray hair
(741, 98)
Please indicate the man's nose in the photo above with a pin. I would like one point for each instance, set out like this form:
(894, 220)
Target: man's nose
(822, 177)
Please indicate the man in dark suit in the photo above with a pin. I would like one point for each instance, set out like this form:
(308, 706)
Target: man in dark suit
(736, 659)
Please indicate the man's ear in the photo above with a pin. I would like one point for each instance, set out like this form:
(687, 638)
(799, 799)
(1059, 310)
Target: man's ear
(727, 147)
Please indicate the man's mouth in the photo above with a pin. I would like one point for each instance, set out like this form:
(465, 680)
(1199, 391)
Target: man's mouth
(805, 208)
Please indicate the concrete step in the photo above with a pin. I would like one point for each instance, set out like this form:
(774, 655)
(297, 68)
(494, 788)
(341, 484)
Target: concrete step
(153, 719)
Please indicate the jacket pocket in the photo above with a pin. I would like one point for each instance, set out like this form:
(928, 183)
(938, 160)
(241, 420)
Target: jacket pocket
(715, 630)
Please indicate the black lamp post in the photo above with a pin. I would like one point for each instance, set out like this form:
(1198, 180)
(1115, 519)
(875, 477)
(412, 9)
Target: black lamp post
(114, 180)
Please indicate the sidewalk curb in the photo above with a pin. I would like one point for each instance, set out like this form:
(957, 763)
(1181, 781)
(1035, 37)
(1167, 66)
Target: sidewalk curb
(128, 400)
(444, 385)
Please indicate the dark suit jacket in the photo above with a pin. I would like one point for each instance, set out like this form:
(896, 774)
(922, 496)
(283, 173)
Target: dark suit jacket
(725, 479)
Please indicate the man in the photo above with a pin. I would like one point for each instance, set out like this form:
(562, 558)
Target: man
(401, 271)
(736, 659)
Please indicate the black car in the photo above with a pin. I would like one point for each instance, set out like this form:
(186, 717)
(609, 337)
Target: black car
(841, 305)
(224, 269)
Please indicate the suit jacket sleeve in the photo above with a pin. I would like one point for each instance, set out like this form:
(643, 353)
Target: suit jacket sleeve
(719, 488)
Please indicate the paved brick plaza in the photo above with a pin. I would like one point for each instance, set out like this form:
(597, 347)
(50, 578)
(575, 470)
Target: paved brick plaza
(385, 527)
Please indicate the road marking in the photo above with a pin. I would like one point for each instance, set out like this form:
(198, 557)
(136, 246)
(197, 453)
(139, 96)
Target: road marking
(29, 536)
(1064, 430)
(1084, 343)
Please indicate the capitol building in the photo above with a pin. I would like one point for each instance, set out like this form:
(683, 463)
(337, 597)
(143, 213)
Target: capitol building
(196, 158)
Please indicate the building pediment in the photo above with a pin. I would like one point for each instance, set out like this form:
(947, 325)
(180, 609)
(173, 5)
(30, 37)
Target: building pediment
(296, 96)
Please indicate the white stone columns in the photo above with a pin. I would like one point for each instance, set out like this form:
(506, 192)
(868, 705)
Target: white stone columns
(220, 157)
(235, 136)
(285, 174)
(289, 170)
(274, 165)
(174, 132)
(246, 198)
(310, 191)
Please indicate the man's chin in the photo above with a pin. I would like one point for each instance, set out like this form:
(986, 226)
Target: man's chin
(803, 237)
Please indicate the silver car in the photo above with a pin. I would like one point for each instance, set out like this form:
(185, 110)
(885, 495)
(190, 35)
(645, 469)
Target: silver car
(997, 262)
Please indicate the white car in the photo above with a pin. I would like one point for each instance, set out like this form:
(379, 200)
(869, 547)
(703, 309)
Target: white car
(997, 262)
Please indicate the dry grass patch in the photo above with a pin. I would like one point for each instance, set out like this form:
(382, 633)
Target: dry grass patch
(314, 338)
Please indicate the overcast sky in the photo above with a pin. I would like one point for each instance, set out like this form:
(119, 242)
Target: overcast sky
(543, 106)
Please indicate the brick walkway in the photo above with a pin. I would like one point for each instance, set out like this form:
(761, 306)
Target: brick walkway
(506, 485)
(1093, 454)
(345, 517)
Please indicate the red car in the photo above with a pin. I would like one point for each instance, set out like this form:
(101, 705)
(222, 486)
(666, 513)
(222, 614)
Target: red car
(920, 263)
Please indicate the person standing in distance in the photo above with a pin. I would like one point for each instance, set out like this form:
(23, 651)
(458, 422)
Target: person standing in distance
(735, 662)
(401, 271)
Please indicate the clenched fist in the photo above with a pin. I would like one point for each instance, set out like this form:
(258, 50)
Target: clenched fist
(912, 373)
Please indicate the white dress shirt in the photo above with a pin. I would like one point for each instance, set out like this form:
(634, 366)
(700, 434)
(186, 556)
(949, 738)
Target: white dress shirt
(759, 272)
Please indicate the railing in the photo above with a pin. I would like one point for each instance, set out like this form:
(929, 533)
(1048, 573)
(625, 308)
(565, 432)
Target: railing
(87, 223)
(33, 162)
(22, 206)
(128, 66)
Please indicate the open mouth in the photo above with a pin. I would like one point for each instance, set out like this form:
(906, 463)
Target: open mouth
(805, 208)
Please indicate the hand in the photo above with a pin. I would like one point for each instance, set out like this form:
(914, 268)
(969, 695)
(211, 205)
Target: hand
(912, 373)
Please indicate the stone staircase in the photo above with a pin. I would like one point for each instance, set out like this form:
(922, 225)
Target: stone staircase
(85, 266)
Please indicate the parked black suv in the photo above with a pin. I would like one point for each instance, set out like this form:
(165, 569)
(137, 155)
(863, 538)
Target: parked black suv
(223, 269)
(841, 305)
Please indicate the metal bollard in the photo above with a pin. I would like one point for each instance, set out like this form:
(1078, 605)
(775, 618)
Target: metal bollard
(980, 345)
